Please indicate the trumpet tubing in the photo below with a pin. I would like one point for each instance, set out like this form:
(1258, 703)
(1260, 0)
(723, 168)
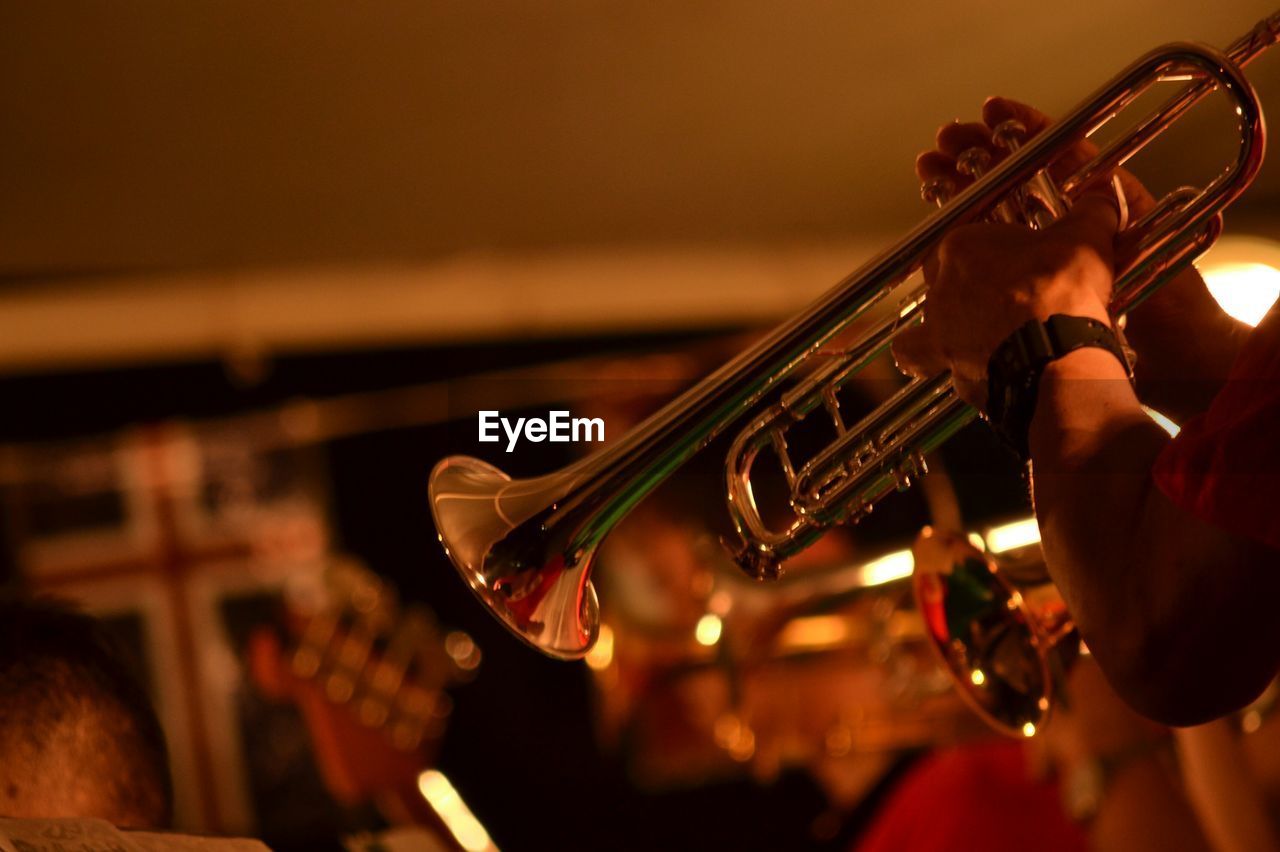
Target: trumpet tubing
(525, 547)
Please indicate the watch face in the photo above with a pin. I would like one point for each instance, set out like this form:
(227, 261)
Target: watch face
(1082, 790)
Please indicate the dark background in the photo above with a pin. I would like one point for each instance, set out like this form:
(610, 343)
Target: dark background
(520, 746)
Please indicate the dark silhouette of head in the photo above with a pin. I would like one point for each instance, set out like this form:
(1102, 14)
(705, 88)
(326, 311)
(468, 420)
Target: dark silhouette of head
(78, 737)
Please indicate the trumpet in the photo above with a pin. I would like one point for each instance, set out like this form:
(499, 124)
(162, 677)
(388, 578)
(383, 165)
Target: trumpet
(525, 547)
(1003, 636)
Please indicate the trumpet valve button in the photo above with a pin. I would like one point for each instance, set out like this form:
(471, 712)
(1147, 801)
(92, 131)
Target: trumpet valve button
(1009, 134)
(973, 162)
(937, 191)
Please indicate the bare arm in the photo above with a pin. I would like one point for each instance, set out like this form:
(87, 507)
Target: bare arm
(1228, 800)
(1179, 614)
(1186, 345)
(1132, 781)
(1144, 810)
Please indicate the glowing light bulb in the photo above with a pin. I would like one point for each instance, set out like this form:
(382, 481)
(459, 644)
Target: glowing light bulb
(886, 569)
(454, 813)
(1013, 535)
(708, 630)
(1246, 290)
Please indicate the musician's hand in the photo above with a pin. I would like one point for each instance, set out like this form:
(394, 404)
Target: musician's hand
(1185, 343)
(987, 280)
(957, 137)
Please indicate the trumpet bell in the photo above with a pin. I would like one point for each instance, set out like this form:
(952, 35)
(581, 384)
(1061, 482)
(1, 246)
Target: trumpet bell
(1004, 653)
(525, 547)
(532, 590)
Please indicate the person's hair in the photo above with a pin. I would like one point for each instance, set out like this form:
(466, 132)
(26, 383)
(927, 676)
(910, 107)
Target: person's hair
(77, 732)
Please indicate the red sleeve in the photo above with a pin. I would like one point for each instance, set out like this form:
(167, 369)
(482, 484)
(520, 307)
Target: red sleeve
(1224, 466)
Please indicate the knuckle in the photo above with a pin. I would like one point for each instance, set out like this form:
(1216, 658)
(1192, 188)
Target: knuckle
(1081, 258)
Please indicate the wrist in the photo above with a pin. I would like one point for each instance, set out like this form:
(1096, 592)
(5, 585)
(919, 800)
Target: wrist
(1085, 398)
(1087, 364)
(1019, 366)
(1075, 305)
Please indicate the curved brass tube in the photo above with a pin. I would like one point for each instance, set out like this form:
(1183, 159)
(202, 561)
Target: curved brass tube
(525, 547)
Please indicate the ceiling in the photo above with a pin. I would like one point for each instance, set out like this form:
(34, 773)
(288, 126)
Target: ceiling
(152, 138)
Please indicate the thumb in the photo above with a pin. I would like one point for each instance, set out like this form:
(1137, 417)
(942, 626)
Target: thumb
(916, 354)
(1136, 194)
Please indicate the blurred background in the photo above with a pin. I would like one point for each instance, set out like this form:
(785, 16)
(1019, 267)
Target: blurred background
(260, 265)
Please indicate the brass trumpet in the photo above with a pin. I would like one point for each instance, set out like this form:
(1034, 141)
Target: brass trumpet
(525, 547)
(1005, 640)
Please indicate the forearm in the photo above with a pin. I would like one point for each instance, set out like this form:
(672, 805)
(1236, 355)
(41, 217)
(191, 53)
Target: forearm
(1092, 448)
(1174, 610)
(1144, 809)
(1229, 801)
(1214, 804)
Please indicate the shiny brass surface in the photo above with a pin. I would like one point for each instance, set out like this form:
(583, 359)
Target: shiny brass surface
(525, 547)
(1006, 645)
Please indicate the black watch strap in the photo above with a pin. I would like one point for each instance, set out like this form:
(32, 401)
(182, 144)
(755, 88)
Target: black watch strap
(1015, 368)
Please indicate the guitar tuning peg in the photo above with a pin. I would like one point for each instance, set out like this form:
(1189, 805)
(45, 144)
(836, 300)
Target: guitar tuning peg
(374, 712)
(339, 688)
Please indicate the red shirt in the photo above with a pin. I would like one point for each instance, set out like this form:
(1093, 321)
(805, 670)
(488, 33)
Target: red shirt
(1224, 466)
(974, 798)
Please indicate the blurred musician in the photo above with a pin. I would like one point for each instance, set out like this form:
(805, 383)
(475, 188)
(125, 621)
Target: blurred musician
(1166, 551)
(78, 737)
(1097, 776)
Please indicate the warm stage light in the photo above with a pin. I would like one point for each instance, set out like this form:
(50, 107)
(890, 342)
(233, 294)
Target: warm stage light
(814, 633)
(1162, 421)
(454, 813)
(886, 569)
(600, 657)
(1012, 536)
(708, 630)
(1245, 290)
(1243, 274)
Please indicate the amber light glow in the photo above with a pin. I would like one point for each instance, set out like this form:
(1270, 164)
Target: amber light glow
(454, 813)
(600, 657)
(1243, 274)
(890, 567)
(814, 633)
(1013, 535)
(708, 630)
(1244, 290)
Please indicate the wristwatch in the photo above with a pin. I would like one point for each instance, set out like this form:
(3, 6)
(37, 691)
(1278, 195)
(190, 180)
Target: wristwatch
(1015, 368)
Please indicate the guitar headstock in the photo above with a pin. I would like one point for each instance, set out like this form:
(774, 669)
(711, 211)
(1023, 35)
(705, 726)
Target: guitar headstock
(390, 664)
(370, 675)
